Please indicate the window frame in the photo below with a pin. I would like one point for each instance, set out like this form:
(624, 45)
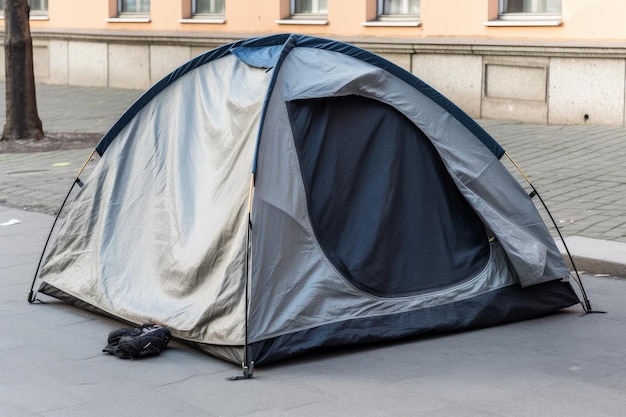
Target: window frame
(302, 18)
(525, 18)
(131, 15)
(308, 15)
(195, 14)
(117, 16)
(380, 5)
(409, 20)
(35, 14)
(188, 14)
(501, 11)
(39, 12)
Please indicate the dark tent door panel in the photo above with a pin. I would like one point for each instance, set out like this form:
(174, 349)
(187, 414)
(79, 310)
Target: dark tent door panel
(383, 206)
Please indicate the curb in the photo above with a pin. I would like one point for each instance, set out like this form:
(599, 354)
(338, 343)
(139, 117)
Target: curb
(595, 256)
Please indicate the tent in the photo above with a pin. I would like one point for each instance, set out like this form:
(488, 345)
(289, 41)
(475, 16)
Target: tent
(284, 193)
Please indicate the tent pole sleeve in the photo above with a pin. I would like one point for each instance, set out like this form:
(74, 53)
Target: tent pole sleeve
(85, 165)
(586, 303)
(250, 194)
(519, 169)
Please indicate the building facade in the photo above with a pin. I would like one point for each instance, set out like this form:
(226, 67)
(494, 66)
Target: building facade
(535, 61)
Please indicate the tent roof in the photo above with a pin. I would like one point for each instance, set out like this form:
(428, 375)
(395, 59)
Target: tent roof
(269, 52)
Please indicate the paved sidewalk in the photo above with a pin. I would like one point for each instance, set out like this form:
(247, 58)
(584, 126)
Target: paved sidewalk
(580, 172)
(52, 363)
(39, 181)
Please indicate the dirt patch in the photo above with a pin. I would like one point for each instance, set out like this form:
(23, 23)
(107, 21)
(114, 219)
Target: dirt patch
(51, 142)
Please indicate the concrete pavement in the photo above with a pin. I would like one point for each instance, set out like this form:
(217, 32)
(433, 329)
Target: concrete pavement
(52, 365)
(40, 181)
(565, 364)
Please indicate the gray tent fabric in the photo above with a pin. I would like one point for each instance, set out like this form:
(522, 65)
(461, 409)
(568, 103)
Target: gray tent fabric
(142, 237)
(284, 193)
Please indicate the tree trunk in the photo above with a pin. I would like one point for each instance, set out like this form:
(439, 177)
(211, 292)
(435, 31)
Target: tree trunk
(22, 120)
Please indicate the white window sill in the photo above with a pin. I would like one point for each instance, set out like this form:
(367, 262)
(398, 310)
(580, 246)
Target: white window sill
(208, 20)
(389, 23)
(128, 20)
(523, 22)
(319, 22)
(31, 17)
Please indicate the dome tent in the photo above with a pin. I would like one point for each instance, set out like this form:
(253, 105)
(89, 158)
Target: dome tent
(284, 193)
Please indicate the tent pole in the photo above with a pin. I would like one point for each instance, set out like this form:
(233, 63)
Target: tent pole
(31, 295)
(248, 365)
(586, 303)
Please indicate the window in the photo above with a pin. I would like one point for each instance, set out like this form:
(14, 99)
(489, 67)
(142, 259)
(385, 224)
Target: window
(133, 8)
(396, 13)
(528, 13)
(304, 12)
(398, 8)
(530, 6)
(309, 8)
(124, 11)
(203, 12)
(207, 8)
(38, 8)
